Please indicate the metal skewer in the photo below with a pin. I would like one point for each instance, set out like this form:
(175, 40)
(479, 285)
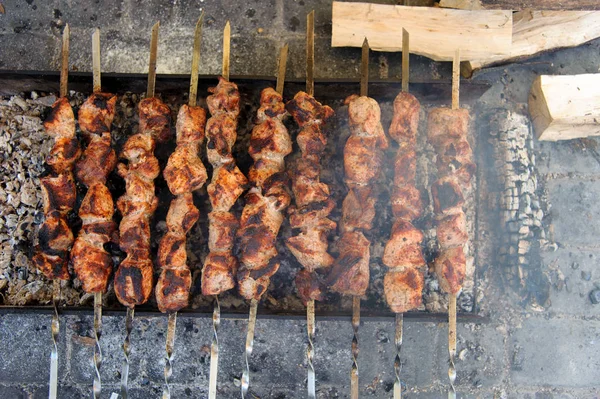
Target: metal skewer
(54, 329)
(452, 297)
(55, 324)
(170, 344)
(214, 351)
(310, 306)
(399, 324)
(364, 85)
(126, 351)
(249, 346)
(214, 346)
(97, 387)
(131, 310)
(170, 340)
(254, 302)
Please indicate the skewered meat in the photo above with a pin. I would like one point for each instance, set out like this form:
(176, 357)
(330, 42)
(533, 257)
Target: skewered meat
(226, 186)
(363, 155)
(184, 174)
(350, 272)
(58, 193)
(309, 215)
(133, 280)
(91, 262)
(267, 199)
(173, 286)
(448, 135)
(403, 283)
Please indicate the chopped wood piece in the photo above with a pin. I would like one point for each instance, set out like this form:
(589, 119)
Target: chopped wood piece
(538, 31)
(521, 4)
(435, 32)
(542, 4)
(565, 107)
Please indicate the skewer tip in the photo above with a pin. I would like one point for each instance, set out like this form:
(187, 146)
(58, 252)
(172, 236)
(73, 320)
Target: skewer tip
(456, 79)
(364, 69)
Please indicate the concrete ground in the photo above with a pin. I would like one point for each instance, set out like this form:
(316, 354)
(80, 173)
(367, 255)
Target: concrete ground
(541, 336)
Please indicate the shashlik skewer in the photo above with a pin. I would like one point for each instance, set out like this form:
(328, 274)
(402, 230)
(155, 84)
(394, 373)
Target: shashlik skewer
(184, 174)
(403, 283)
(134, 277)
(447, 133)
(226, 186)
(266, 201)
(55, 237)
(91, 262)
(363, 156)
(312, 201)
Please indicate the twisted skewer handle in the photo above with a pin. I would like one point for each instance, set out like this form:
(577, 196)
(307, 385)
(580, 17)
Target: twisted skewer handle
(310, 350)
(214, 351)
(126, 352)
(97, 387)
(169, 354)
(54, 330)
(249, 347)
(398, 360)
(452, 345)
(355, 325)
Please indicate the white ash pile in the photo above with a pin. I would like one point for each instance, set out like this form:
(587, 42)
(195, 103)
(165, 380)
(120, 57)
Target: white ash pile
(521, 212)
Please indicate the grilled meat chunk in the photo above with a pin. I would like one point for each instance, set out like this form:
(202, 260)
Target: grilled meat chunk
(227, 185)
(134, 277)
(403, 282)
(448, 129)
(312, 202)
(267, 199)
(58, 193)
(363, 156)
(350, 272)
(175, 280)
(92, 263)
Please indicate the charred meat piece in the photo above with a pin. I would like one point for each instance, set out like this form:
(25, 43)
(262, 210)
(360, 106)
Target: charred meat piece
(312, 202)
(405, 121)
(227, 185)
(403, 282)
(155, 119)
(58, 193)
(310, 287)
(92, 263)
(450, 267)
(404, 247)
(55, 239)
(184, 174)
(446, 123)
(267, 199)
(173, 285)
(403, 289)
(350, 272)
(252, 284)
(134, 277)
(358, 209)
(448, 129)
(363, 157)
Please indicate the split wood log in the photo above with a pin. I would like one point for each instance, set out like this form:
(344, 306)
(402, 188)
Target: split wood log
(435, 32)
(535, 32)
(565, 107)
